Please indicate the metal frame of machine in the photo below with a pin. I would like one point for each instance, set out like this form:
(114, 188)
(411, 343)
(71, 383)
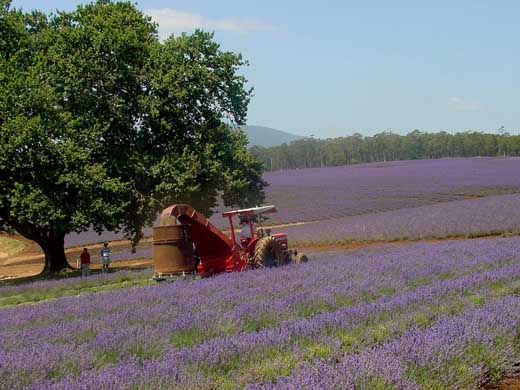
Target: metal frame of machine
(216, 251)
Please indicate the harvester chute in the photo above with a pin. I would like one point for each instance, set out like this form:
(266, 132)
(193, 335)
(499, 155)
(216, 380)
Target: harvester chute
(217, 253)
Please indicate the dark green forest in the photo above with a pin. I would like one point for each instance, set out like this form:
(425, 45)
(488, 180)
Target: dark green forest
(385, 146)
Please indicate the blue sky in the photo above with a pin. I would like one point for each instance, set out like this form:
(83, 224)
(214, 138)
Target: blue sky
(334, 67)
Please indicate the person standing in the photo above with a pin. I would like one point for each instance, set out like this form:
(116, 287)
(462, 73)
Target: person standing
(85, 262)
(245, 229)
(105, 256)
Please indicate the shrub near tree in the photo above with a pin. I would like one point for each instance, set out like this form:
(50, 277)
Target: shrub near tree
(102, 124)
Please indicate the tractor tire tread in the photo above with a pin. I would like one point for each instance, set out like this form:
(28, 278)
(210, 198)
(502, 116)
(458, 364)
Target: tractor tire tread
(264, 246)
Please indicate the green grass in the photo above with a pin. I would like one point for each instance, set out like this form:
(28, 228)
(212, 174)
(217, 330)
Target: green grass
(12, 246)
(29, 294)
(188, 337)
(404, 238)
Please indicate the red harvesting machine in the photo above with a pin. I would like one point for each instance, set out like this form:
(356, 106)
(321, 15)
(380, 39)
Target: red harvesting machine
(187, 243)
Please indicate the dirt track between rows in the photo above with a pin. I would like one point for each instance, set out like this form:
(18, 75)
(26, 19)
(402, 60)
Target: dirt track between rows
(30, 263)
(512, 383)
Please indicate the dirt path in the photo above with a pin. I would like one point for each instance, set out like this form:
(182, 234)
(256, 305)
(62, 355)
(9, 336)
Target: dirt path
(34, 267)
(508, 384)
(31, 262)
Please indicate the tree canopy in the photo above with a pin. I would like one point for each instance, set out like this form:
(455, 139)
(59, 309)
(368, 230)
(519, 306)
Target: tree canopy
(385, 146)
(103, 124)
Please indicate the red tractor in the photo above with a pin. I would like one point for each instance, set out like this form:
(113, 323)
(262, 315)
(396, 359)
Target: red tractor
(186, 242)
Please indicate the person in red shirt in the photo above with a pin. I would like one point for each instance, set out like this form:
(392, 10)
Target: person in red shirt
(85, 262)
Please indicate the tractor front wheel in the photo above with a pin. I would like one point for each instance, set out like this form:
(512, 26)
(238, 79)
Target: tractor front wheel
(268, 253)
(300, 258)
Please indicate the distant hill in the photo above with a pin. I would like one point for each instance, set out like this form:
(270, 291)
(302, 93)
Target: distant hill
(265, 136)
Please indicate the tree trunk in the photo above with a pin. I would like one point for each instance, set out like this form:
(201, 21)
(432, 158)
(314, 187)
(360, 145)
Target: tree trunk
(51, 242)
(54, 249)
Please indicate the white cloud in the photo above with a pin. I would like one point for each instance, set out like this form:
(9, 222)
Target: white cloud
(460, 104)
(171, 20)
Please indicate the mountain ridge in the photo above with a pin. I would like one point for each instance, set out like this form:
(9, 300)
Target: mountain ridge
(267, 136)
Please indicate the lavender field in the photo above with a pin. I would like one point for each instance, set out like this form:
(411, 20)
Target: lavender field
(439, 315)
(366, 189)
(323, 193)
(492, 215)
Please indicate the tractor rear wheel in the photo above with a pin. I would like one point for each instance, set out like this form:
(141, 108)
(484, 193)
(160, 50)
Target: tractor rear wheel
(268, 253)
(300, 258)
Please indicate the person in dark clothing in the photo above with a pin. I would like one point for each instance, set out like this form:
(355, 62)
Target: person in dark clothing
(85, 262)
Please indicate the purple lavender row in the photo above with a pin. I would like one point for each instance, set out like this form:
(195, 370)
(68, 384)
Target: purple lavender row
(247, 345)
(159, 307)
(93, 279)
(430, 254)
(110, 321)
(439, 355)
(471, 217)
(369, 188)
(215, 352)
(420, 259)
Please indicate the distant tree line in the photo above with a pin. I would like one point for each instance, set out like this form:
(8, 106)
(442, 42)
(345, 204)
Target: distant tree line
(385, 146)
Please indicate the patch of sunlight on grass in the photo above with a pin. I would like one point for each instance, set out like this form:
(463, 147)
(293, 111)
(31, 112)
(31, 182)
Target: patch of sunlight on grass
(31, 294)
(11, 246)
(187, 337)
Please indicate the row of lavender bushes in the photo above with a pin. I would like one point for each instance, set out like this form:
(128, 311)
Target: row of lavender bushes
(476, 217)
(382, 318)
(335, 192)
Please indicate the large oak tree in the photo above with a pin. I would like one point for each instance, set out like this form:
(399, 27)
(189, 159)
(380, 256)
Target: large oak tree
(102, 124)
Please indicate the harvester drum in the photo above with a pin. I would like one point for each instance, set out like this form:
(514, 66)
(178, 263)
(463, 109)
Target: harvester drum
(173, 250)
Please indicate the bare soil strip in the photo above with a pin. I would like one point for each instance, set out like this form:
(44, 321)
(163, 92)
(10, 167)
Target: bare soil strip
(35, 267)
(31, 263)
(512, 383)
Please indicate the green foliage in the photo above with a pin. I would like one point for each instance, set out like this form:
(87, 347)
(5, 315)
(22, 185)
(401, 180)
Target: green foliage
(145, 352)
(259, 321)
(461, 370)
(420, 281)
(187, 337)
(103, 125)
(375, 383)
(67, 368)
(385, 146)
(29, 294)
(477, 299)
(11, 246)
(106, 356)
(309, 309)
(423, 320)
